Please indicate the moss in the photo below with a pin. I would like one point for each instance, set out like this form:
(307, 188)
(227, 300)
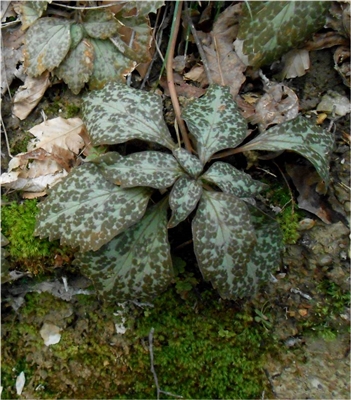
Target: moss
(20, 142)
(72, 110)
(18, 223)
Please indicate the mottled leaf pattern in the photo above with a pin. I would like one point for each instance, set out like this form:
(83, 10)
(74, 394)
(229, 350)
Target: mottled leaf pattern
(223, 239)
(147, 168)
(77, 35)
(136, 264)
(183, 199)
(77, 67)
(298, 135)
(144, 7)
(30, 11)
(189, 162)
(118, 113)
(109, 64)
(232, 181)
(100, 24)
(270, 29)
(47, 43)
(215, 121)
(265, 257)
(86, 210)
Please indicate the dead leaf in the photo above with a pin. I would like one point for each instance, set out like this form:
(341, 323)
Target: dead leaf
(334, 102)
(182, 88)
(296, 63)
(197, 74)
(29, 95)
(225, 66)
(277, 105)
(342, 64)
(50, 156)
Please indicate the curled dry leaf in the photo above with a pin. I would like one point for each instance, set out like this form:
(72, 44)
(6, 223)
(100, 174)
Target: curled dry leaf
(279, 104)
(296, 63)
(49, 158)
(29, 95)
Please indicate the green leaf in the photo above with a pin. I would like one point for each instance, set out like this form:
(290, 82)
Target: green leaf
(47, 43)
(100, 24)
(232, 181)
(118, 113)
(86, 210)
(275, 27)
(265, 257)
(77, 67)
(223, 239)
(298, 135)
(77, 35)
(147, 168)
(30, 11)
(189, 162)
(215, 121)
(136, 265)
(109, 64)
(183, 199)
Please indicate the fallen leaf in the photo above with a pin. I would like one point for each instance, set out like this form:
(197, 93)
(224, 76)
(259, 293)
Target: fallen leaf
(342, 64)
(20, 381)
(29, 95)
(50, 157)
(334, 102)
(303, 312)
(296, 63)
(182, 88)
(225, 66)
(279, 104)
(50, 333)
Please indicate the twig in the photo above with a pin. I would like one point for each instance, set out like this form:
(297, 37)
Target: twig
(6, 139)
(198, 44)
(152, 368)
(290, 191)
(170, 77)
(84, 8)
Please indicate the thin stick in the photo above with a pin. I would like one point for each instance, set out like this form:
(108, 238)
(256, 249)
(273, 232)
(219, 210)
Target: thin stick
(170, 77)
(6, 139)
(84, 8)
(198, 44)
(290, 191)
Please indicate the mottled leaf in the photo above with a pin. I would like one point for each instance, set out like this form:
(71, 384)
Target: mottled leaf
(88, 211)
(119, 113)
(269, 29)
(136, 265)
(100, 24)
(77, 67)
(143, 7)
(232, 181)
(189, 162)
(77, 35)
(46, 45)
(183, 199)
(30, 11)
(215, 121)
(298, 135)
(265, 257)
(109, 64)
(147, 168)
(223, 239)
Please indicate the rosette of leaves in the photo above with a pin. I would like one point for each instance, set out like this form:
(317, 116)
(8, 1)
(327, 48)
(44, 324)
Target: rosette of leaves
(90, 47)
(269, 29)
(102, 206)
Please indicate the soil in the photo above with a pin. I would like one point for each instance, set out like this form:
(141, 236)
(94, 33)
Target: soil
(304, 307)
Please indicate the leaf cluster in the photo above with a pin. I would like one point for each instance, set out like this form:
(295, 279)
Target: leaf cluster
(88, 47)
(102, 206)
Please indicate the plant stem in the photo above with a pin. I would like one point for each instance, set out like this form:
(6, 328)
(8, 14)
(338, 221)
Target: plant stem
(170, 78)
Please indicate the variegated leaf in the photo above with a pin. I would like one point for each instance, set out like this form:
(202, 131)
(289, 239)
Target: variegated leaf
(189, 162)
(88, 211)
(270, 29)
(143, 7)
(100, 24)
(265, 257)
(215, 121)
(136, 264)
(30, 11)
(118, 113)
(298, 135)
(147, 168)
(232, 181)
(47, 43)
(109, 64)
(223, 239)
(77, 35)
(77, 67)
(183, 199)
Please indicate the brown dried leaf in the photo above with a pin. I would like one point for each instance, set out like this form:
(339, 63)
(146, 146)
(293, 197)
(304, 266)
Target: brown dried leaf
(29, 95)
(182, 88)
(225, 66)
(296, 63)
